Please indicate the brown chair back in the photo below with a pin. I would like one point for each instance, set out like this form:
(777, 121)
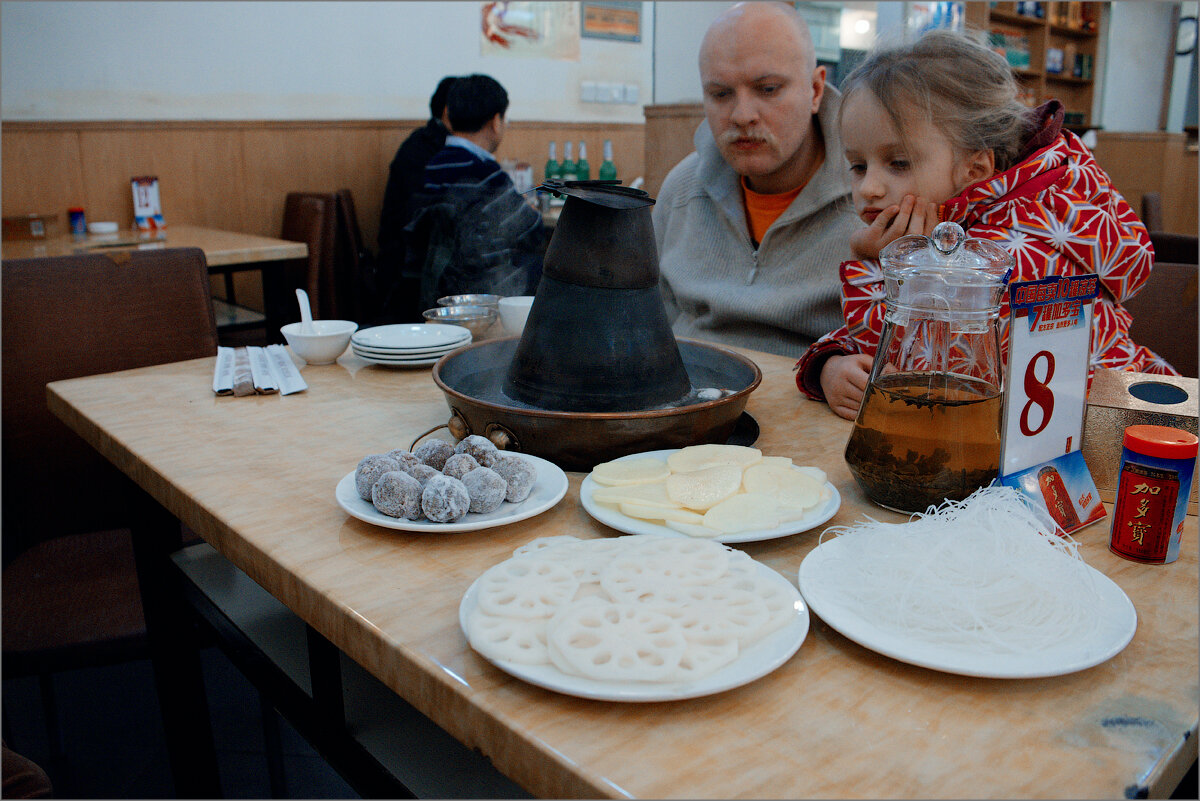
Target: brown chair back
(1152, 211)
(1175, 248)
(311, 218)
(1164, 309)
(71, 316)
(355, 263)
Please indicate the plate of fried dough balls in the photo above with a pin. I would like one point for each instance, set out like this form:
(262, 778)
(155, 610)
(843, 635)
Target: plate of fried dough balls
(444, 486)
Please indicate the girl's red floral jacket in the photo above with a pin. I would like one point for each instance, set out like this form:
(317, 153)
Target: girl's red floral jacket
(1057, 213)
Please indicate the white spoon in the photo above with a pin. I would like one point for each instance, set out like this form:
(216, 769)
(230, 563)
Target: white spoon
(306, 321)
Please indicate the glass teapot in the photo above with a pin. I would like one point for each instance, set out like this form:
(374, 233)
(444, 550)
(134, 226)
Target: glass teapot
(929, 427)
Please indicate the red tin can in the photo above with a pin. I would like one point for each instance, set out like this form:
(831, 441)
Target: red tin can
(1155, 480)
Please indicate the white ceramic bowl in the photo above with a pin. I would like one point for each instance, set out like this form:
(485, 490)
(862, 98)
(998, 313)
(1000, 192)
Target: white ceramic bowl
(329, 340)
(514, 311)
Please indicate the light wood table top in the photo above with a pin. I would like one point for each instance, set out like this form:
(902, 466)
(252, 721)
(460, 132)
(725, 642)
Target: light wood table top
(221, 248)
(255, 477)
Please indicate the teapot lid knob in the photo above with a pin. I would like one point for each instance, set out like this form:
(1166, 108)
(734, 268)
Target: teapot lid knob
(948, 236)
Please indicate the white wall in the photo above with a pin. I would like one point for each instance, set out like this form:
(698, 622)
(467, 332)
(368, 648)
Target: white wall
(1139, 40)
(381, 60)
(283, 60)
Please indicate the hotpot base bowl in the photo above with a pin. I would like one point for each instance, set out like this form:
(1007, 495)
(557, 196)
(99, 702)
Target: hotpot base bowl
(472, 379)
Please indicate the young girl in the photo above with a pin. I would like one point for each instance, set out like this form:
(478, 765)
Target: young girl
(933, 131)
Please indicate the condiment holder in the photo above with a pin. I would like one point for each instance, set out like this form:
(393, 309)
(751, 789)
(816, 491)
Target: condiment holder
(1118, 399)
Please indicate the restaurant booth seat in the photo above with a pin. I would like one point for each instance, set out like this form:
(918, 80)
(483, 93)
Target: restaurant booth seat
(70, 582)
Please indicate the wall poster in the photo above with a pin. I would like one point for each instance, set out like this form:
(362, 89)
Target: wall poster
(613, 20)
(530, 30)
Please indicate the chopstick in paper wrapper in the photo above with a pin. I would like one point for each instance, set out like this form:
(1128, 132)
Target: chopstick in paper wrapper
(255, 370)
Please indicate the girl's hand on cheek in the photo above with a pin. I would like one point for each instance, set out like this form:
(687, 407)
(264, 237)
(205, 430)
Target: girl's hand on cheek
(866, 243)
(844, 381)
(923, 218)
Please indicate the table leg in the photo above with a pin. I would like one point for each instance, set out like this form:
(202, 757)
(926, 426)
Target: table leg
(174, 650)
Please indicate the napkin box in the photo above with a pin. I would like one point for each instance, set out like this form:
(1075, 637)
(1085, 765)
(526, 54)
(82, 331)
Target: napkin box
(1118, 399)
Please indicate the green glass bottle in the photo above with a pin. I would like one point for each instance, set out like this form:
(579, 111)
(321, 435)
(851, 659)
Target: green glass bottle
(568, 162)
(583, 170)
(553, 168)
(608, 170)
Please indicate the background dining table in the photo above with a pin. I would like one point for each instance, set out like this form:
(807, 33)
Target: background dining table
(226, 253)
(255, 476)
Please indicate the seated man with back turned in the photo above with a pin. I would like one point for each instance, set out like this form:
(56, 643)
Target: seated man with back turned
(471, 232)
(406, 176)
(749, 224)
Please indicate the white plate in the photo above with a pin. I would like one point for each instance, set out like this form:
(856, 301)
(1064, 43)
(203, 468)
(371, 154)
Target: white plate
(1118, 621)
(614, 518)
(416, 353)
(410, 335)
(393, 363)
(549, 488)
(753, 663)
(383, 357)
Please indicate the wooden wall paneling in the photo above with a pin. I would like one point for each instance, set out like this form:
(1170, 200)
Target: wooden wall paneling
(1152, 162)
(235, 174)
(199, 173)
(41, 173)
(1181, 212)
(670, 129)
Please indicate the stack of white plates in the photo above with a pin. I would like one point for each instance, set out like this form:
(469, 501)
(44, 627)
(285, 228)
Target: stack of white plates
(408, 345)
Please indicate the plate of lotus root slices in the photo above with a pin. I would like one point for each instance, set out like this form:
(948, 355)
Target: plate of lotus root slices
(640, 618)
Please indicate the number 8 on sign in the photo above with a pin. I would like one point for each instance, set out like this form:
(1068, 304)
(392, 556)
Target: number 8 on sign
(1038, 393)
(1048, 340)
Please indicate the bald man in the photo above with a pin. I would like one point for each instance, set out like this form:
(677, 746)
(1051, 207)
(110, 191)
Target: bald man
(752, 227)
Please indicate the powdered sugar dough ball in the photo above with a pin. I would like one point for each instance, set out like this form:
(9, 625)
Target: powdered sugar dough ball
(487, 489)
(434, 452)
(445, 499)
(397, 494)
(369, 470)
(519, 474)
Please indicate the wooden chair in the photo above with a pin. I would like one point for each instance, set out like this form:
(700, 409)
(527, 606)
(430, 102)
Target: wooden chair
(311, 218)
(1164, 310)
(70, 591)
(355, 262)
(1152, 211)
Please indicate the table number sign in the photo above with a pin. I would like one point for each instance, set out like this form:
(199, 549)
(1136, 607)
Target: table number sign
(1049, 337)
(147, 208)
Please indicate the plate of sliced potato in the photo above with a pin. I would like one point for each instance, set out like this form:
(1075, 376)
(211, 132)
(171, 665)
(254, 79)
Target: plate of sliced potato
(637, 619)
(726, 493)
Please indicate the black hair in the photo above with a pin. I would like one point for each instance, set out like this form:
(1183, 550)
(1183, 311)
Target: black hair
(437, 103)
(473, 101)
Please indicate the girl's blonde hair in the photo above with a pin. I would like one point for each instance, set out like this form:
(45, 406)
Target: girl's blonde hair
(967, 91)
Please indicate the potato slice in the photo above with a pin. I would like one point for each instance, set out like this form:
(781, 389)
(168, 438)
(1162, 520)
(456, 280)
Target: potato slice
(659, 513)
(654, 494)
(692, 530)
(749, 511)
(703, 489)
(815, 472)
(623, 472)
(699, 457)
(776, 460)
(790, 487)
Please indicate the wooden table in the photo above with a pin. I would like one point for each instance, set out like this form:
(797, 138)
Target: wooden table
(226, 252)
(255, 476)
